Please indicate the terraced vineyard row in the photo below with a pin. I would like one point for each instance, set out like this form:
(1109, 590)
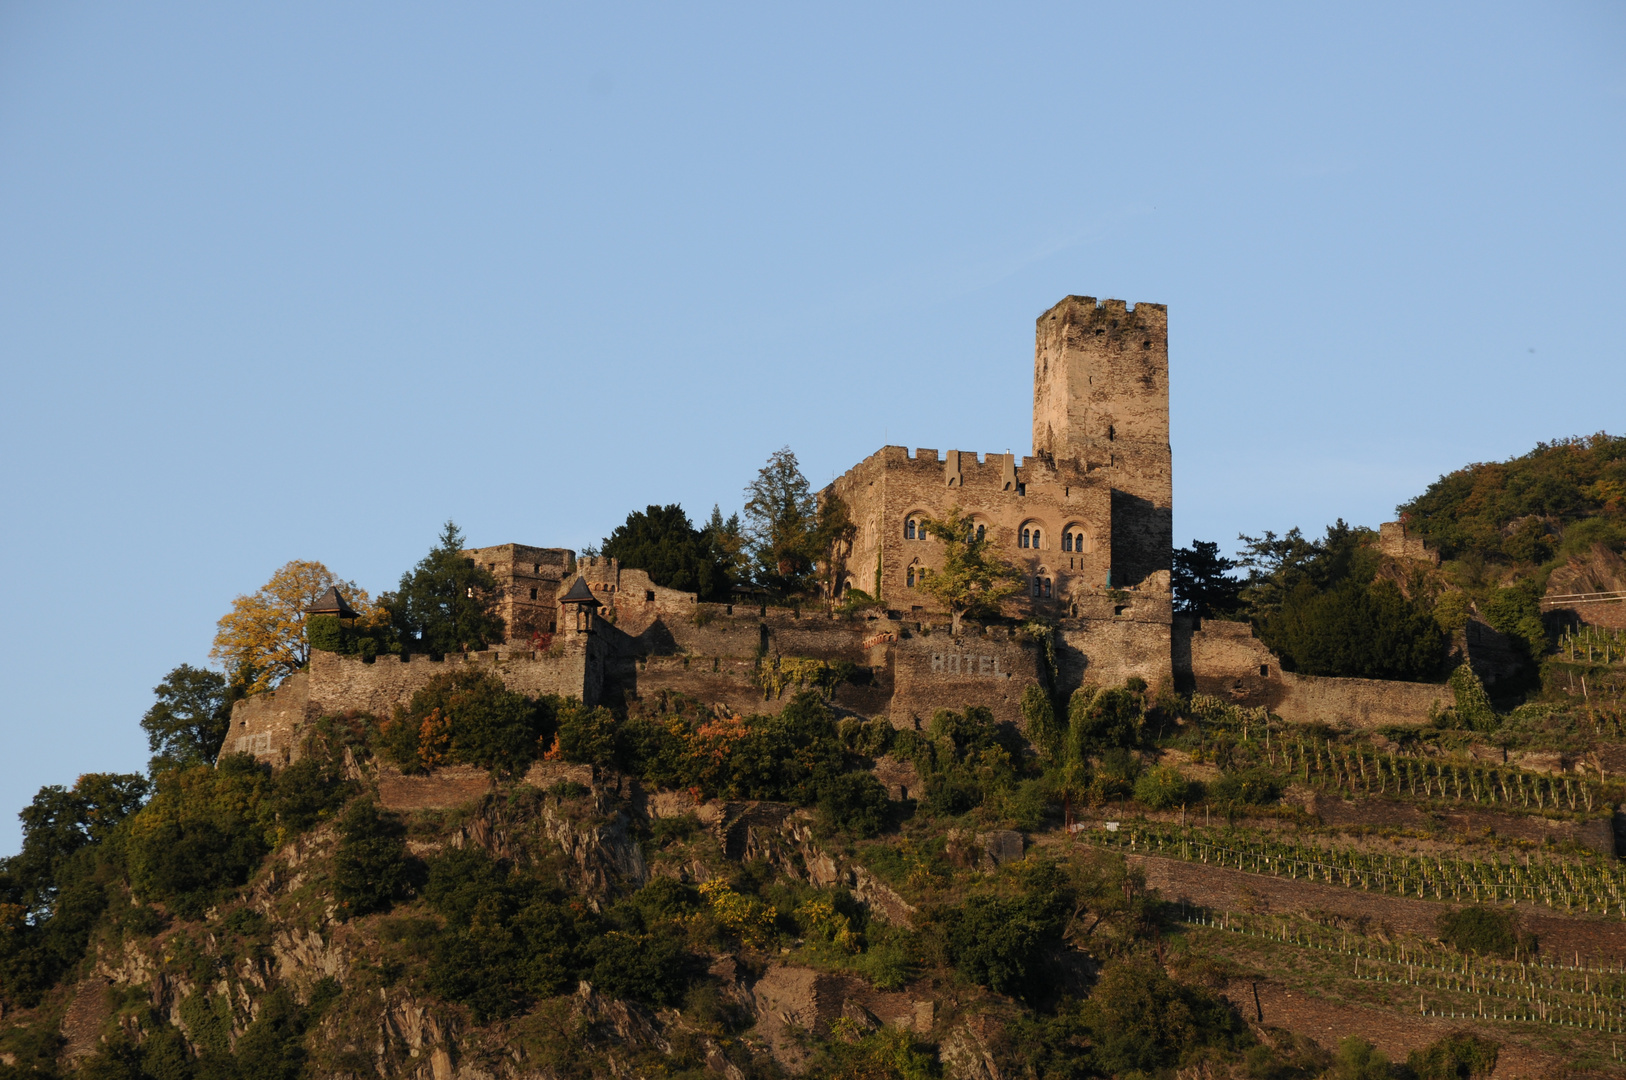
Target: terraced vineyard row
(1453, 985)
(1569, 885)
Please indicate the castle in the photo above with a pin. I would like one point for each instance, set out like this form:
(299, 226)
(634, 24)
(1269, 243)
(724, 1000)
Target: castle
(1087, 519)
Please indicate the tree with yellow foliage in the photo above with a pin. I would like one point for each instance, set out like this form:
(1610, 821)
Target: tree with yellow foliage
(261, 640)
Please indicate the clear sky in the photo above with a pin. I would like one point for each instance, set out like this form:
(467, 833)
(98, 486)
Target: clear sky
(303, 280)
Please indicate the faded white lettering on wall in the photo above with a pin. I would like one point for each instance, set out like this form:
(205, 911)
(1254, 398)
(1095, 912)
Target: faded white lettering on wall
(970, 664)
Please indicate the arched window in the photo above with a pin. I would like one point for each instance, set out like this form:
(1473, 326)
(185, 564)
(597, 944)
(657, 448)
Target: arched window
(1067, 541)
(1027, 535)
(1047, 588)
(1036, 538)
(909, 529)
(910, 579)
(980, 532)
(1037, 584)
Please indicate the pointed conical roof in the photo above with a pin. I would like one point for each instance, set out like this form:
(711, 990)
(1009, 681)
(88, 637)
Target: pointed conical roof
(332, 603)
(580, 594)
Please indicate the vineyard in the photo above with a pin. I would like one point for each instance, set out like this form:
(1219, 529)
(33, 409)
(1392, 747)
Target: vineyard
(1571, 885)
(1445, 982)
(1236, 739)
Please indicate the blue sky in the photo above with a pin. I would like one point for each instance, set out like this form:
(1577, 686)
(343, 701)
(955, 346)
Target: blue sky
(302, 281)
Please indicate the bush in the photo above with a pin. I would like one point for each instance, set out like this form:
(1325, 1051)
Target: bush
(1250, 787)
(1162, 787)
(1516, 612)
(1002, 942)
(1360, 1060)
(370, 864)
(1044, 732)
(1484, 930)
(1456, 1057)
(855, 802)
(469, 717)
(1143, 1020)
(1357, 629)
(1098, 720)
(647, 967)
(586, 736)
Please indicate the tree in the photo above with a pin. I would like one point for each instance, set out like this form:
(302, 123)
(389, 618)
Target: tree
(832, 542)
(972, 580)
(781, 516)
(446, 603)
(369, 865)
(1202, 585)
(189, 721)
(261, 640)
(660, 541)
(727, 543)
(61, 822)
(1356, 630)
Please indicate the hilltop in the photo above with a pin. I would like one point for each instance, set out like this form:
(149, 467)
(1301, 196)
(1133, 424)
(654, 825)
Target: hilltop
(481, 880)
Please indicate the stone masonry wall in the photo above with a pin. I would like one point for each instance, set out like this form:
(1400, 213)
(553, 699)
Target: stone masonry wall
(936, 671)
(1225, 660)
(269, 725)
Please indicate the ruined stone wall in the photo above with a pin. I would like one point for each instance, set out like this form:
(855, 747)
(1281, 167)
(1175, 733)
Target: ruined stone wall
(529, 578)
(269, 725)
(935, 671)
(632, 602)
(1225, 660)
(1394, 542)
(1108, 651)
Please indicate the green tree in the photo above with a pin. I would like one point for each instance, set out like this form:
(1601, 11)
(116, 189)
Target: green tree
(1100, 719)
(50, 892)
(1516, 612)
(1039, 713)
(781, 520)
(60, 823)
(661, 541)
(1143, 1020)
(972, 580)
(1202, 582)
(369, 865)
(1356, 629)
(189, 721)
(727, 541)
(446, 603)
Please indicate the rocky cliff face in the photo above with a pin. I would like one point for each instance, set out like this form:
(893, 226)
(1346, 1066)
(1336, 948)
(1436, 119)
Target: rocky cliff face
(370, 1010)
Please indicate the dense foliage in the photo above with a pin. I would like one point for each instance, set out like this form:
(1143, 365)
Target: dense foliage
(661, 541)
(1320, 605)
(1525, 510)
(514, 936)
(1202, 582)
(188, 723)
(467, 717)
(446, 603)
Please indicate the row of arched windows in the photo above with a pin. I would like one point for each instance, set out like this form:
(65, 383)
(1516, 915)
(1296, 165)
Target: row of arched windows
(915, 529)
(1073, 538)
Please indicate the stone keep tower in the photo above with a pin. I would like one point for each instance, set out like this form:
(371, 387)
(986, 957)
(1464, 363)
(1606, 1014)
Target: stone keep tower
(1101, 398)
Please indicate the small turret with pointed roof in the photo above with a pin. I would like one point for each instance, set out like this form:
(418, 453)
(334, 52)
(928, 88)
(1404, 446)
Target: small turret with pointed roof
(578, 606)
(331, 603)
